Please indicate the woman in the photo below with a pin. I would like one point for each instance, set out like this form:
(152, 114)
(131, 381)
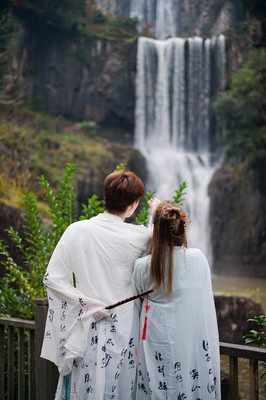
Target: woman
(179, 352)
(95, 349)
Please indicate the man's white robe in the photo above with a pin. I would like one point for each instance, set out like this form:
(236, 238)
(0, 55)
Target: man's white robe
(100, 252)
(179, 359)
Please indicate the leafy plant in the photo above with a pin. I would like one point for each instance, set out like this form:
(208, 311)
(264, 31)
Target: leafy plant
(120, 167)
(144, 214)
(23, 283)
(258, 337)
(93, 208)
(179, 194)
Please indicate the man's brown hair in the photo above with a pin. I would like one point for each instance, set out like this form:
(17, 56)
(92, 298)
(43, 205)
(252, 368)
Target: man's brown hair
(121, 189)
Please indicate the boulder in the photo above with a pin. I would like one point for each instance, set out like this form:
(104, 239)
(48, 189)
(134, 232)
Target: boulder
(233, 313)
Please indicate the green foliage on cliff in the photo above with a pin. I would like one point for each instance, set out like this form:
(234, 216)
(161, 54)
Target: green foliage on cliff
(57, 13)
(35, 144)
(242, 111)
(256, 8)
(79, 17)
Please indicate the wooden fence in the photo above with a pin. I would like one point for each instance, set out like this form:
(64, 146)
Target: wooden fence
(25, 376)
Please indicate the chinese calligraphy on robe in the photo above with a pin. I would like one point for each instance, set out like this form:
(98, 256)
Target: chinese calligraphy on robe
(180, 357)
(100, 355)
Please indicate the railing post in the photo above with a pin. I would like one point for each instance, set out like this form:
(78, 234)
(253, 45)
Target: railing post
(253, 380)
(2, 361)
(233, 377)
(11, 363)
(46, 372)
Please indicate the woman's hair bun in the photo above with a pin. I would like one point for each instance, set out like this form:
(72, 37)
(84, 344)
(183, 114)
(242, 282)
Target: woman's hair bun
(172, 216)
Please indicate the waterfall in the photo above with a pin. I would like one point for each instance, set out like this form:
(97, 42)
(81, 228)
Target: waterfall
(162, 14)
(172, 127)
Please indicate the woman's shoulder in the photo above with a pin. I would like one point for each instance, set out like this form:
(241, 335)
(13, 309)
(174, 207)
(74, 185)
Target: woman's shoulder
(197, 262)
(195, 252)
(142, 261)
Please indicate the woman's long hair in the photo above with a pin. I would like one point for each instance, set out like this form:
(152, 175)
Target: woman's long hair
(169, 220)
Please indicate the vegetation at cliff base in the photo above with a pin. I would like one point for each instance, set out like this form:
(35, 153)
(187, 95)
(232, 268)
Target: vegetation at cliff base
(34, 144)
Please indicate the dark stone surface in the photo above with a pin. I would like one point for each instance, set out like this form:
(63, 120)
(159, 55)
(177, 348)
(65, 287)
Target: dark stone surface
(233, 313)
(86, 80)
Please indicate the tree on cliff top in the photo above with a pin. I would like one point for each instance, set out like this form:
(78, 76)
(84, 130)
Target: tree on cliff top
(256, 8)
(57, 13)
(78, 17)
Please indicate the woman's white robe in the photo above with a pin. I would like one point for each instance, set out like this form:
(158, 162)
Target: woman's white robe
(101, 355)
(180, 357)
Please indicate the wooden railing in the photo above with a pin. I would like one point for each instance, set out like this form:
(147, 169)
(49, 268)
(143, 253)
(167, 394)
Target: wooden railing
(25, 376)
(24, 334)
(254, 354)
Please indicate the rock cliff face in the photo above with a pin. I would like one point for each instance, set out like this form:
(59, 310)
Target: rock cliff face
(118, 8)
(192, 17)
(86, 80)
(238, 223)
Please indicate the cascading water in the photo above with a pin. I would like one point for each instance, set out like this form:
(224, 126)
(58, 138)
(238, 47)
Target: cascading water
(162, 14)
(172, 129)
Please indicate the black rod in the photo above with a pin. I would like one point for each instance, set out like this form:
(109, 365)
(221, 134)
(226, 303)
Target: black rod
(129, 299)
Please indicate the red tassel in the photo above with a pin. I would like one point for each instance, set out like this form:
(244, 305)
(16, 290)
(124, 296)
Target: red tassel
(144, 329)
(145, 322)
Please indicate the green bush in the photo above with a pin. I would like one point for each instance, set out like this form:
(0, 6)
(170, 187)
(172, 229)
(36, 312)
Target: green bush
(258, 337)
(88, 126)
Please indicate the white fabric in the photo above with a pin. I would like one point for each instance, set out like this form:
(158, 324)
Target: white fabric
(180, 357)
(101, 253)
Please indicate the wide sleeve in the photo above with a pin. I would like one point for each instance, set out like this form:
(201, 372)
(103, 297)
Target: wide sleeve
(69, 310)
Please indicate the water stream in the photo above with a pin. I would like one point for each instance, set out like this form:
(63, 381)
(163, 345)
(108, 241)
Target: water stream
(163, 14)
(173, 113)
